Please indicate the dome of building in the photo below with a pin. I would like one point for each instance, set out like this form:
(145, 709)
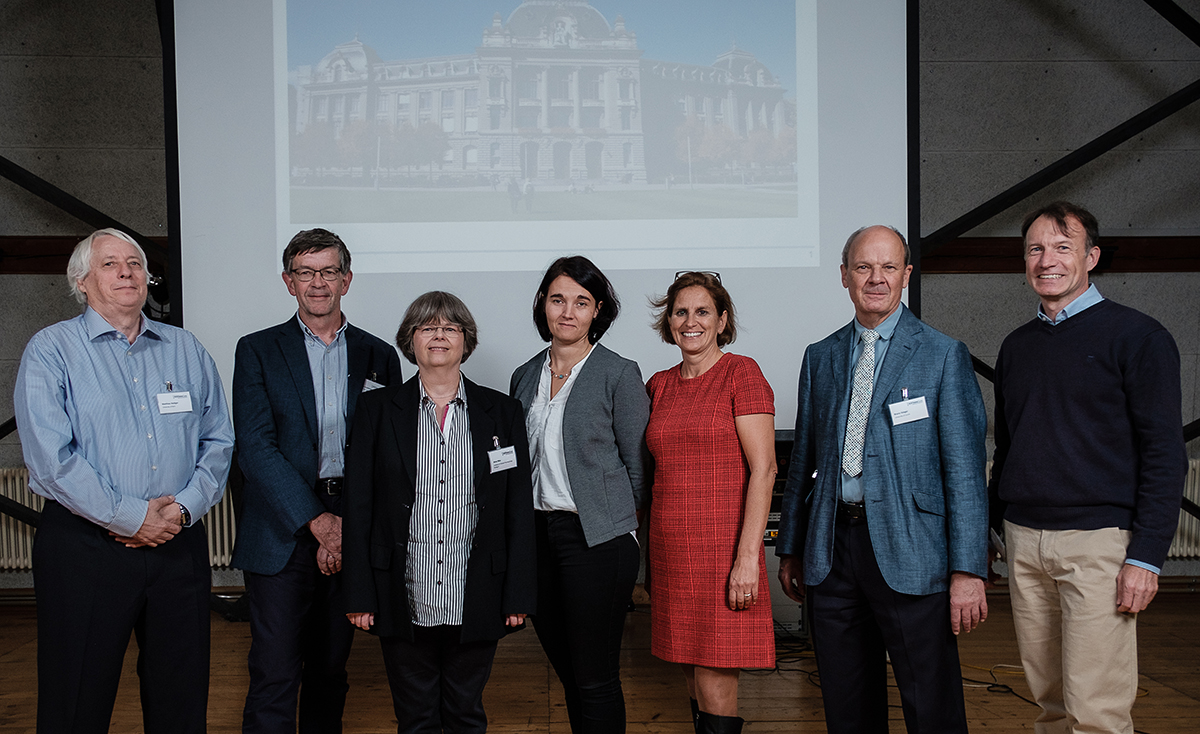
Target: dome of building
(351, 60)
(535, 17)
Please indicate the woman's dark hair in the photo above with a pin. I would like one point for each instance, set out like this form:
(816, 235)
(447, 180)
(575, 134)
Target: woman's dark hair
(721, 300)
(584, 272)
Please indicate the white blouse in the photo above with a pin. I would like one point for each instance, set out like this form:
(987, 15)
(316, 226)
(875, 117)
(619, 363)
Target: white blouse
(544, 424)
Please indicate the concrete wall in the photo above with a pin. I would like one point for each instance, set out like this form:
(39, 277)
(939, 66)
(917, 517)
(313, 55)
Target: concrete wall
(1007, 86)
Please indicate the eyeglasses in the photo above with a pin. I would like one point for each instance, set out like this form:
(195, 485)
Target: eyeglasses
(306, 274)
(712, 273)
(450, 332)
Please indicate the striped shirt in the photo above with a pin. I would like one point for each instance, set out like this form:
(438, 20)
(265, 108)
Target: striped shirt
(94, 437)
(330, 377)
(444, 514)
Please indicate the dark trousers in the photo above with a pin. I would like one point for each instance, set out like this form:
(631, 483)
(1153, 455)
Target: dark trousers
(300, 640)
(583, 596)
(437, 681)
(92, 592)
(856, 617)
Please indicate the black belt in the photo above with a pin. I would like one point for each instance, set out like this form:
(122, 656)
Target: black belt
(853, 511)
(329, 485)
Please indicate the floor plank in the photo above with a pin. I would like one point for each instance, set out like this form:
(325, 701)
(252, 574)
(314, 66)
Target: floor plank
(523, 694)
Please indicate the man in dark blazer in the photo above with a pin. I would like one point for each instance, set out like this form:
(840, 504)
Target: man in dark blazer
(295, 387)
(890, 537)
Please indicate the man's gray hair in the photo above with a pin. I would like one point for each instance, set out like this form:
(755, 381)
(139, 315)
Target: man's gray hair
(860, 230)
(80, 263)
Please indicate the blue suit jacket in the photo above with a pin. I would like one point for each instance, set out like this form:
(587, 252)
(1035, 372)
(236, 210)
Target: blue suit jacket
(275, 421)
(923, 482)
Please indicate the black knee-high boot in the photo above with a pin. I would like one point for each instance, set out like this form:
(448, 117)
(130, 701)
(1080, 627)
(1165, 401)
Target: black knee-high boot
(695, 715)
(716, 724)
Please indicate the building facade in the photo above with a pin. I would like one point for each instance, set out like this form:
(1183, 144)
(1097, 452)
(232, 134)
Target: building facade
(555, 93)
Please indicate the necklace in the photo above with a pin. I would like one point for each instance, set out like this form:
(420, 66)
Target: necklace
(557, 376)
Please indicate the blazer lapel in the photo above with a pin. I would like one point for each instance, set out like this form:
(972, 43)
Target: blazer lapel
(405, 413)
(483, 432)
(291, 345)
(357, 356)
(839, 371)
(527, 387)
(905, 342)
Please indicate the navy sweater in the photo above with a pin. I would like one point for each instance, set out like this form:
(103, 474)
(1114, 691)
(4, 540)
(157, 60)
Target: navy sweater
(1088, 428)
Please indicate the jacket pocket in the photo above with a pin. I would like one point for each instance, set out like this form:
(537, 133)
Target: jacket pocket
(934, 504)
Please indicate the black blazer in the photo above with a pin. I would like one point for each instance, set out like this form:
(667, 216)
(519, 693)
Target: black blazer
(275, 418)
(377, 503)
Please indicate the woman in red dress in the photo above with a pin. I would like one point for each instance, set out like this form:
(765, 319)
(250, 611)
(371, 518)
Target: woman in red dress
(712, 436)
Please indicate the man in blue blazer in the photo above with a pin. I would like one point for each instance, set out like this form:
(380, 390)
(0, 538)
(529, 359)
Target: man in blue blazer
(295, 387)
(885, 509)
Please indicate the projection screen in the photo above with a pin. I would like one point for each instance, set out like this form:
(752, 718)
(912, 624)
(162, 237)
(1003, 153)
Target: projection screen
(464, 146)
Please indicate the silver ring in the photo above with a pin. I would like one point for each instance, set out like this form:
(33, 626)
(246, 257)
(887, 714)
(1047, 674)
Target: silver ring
(749, 595)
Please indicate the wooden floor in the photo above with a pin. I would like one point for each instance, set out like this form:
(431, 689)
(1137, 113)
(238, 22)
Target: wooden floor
(524, 696)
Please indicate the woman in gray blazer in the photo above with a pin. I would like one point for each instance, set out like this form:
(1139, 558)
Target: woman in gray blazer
(586, 410)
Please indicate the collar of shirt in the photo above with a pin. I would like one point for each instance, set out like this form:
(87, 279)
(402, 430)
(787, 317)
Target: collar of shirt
(96, 325)
(884, 330)
(459, 399)
(430, 406)
(308, 333)
(1086, 300)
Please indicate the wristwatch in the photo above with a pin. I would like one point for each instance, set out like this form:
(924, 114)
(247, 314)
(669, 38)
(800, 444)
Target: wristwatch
(183, 513)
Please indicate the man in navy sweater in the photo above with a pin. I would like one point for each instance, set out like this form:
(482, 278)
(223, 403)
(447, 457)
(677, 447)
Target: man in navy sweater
(1089, 468)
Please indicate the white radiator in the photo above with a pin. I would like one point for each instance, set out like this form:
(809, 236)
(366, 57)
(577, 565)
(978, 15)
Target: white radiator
(16, 538)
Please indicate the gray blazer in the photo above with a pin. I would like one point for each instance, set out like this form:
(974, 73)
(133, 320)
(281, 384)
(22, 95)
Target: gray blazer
(604, 430)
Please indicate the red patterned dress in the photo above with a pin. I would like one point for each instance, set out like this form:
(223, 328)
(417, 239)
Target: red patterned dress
(698, 500)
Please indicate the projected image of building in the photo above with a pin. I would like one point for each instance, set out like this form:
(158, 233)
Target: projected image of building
(553, 94)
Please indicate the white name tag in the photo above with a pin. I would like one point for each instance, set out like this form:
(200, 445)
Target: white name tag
(907, 411)
(503, 459)
(174, 402)
(370, 385)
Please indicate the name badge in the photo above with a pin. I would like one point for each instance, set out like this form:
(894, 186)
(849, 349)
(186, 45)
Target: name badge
(503, 459)
(907, 411)
(369, 385)
(174, 402)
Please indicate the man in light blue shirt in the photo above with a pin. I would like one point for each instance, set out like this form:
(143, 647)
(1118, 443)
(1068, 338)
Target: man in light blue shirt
(125, 431)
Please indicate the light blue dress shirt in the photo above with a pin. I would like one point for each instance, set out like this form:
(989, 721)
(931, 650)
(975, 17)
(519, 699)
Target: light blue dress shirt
(330, 376)
(852, 490)
(1086, 300)
(91, 431)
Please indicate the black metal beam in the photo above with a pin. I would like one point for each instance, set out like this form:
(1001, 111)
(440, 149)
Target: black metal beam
(1190, 507)
(1191, 431)
(1177, 17)
(1063, 166)
(82, 211)
(983, 369)
(18, 511)
(913, 80)
(8, 426)
(166, 33)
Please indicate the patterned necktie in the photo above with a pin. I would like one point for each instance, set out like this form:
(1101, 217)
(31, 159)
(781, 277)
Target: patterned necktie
(860, 406)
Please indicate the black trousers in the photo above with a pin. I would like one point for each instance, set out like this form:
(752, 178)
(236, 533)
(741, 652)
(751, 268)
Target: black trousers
(856, 617)
(437, 681)
(300, 641)
(583, 596)
(92, 592)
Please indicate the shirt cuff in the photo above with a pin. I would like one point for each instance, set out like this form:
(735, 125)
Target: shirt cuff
(1146, 566)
